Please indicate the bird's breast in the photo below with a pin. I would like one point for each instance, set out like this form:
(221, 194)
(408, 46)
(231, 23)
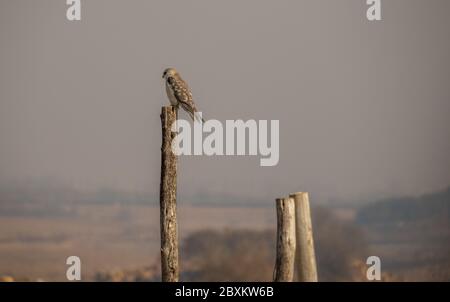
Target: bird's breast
(171, 95)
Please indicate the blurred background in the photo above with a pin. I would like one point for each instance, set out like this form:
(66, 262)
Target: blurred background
(363, 109)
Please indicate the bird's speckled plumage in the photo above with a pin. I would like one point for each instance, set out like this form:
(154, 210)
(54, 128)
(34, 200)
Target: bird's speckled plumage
(179, 93)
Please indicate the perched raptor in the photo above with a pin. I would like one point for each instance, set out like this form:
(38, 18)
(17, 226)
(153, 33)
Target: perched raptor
(179, 93)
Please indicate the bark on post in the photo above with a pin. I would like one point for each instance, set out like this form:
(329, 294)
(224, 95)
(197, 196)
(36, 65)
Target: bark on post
(168, 199)
(284, 266)
(305, 256)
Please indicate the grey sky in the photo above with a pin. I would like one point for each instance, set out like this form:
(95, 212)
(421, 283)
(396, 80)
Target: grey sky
(363, 107)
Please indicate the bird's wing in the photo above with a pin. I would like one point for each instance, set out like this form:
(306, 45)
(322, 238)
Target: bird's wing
(182, 92)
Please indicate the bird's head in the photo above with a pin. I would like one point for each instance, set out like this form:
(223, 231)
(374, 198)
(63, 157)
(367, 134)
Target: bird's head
(169, 72)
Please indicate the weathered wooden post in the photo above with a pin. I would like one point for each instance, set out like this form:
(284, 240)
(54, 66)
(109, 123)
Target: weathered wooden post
(284, 265)
(168, 199)
(305, 256)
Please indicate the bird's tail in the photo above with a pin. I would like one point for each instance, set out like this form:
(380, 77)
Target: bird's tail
(197, 116)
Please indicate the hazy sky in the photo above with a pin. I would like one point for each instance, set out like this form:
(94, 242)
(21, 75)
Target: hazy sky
(363, 106)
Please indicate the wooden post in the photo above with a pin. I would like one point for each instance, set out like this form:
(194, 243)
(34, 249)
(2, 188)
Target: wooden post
(284, 265)
(168, 199)
(305, 256)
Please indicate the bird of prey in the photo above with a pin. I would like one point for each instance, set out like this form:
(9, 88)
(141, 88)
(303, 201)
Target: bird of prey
(179, 93)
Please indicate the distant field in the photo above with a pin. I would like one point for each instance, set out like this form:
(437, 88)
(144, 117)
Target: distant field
(106, 237)
(35, 241)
